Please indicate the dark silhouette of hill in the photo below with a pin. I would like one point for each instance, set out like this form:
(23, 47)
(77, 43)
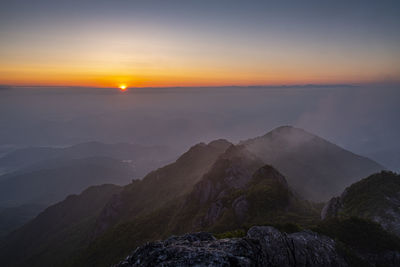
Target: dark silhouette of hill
(52, 184)
(61, 229)
(12, 218)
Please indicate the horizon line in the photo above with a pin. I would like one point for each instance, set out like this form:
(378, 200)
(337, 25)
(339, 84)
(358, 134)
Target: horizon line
(7, 86)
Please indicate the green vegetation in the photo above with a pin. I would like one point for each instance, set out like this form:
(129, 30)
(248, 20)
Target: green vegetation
(231, 234)
(283, 227)
(371, 196)
(358, 233)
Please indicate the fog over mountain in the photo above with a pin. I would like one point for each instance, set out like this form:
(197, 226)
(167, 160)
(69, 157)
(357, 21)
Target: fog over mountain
(199, 133)
(214, 187)
(361, 119)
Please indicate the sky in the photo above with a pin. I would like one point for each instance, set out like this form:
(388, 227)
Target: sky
(106, 43)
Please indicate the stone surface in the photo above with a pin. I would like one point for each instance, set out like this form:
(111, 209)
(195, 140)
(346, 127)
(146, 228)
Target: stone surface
(263, 246)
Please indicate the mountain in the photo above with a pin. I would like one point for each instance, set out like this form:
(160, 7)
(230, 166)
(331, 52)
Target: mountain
(240, 190)
(213, 187)
(15, 217)
(314, 167)
(144, 158)
(237, 191)
(50, 185)
(376, 198)
(60, 230)
(162, 185)
(139, 198)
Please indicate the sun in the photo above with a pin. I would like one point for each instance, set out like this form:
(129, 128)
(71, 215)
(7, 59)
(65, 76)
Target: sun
(122, 87)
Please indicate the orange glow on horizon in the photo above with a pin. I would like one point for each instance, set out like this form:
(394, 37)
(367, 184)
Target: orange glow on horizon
(189, 77)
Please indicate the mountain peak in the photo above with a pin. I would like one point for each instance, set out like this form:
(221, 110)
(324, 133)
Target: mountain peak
(268, 172)
(220, 143)
(313, 166)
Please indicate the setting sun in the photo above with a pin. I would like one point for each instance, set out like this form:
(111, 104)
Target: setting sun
(122, 87)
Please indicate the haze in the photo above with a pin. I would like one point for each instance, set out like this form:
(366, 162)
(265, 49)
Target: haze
(362, 119)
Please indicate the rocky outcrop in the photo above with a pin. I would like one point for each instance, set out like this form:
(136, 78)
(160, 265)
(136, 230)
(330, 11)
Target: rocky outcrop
(376, 198)
(331, 208)
(239, 189)
(263, 246)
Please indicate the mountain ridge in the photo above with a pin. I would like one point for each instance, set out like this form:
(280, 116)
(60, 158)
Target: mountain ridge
(215, 187)
(316, 168)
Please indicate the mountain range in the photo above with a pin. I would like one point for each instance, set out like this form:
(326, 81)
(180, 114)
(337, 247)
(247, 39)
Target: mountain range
(218, 187)
(38, 177)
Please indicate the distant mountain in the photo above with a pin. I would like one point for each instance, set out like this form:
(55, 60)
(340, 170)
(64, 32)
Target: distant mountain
(61, 229)
(314, 167)
(143, 158)
(44, 176)
(61, 178)
(376, 198)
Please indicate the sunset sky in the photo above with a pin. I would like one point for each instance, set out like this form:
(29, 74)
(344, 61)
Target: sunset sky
(198, 43)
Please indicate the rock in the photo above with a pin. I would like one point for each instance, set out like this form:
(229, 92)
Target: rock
(375, 198)
(331, 208)
(214, 212)
(386, 258)
(240, 207)
(304, 248)
(263, 246)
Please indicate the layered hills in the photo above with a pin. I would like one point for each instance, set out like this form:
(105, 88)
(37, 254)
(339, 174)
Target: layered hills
(214, 187)
(145, 158)
(37, 177)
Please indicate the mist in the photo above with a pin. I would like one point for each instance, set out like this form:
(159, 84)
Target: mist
(362, 119)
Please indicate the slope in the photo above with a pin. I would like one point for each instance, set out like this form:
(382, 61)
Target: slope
(314, 167)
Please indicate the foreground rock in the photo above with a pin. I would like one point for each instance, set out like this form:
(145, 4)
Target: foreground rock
(262, 246)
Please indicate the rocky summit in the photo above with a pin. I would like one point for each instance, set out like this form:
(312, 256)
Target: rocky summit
(262, 246)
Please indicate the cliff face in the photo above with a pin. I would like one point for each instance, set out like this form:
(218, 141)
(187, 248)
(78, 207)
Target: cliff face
(376, 198)
(262, 246)
(239, 190)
